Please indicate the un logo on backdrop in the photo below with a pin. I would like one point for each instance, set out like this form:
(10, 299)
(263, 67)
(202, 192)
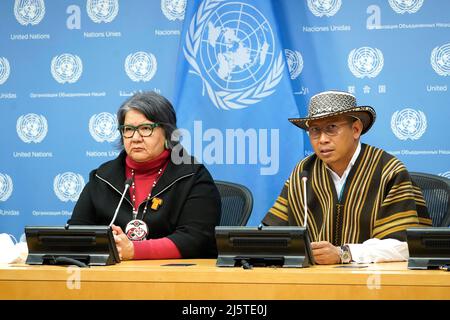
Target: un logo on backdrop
(29, 11)
(440, 60)
(68, 186)
(321, 8)
(408, 124)
(102, 10)
(445, 174)
(140, 66)
(4, 70)
(66, 68)
(173, 9)
(6, 187)
(403, 6)
(295, 62)
(31, 127)
(103, 127)
(365, 62)
(231, 47)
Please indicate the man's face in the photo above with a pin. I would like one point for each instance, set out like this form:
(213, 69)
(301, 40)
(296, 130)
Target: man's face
(334, 140)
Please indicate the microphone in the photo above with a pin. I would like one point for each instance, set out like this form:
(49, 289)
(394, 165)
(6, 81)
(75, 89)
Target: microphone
(128, 183)
(304, 177)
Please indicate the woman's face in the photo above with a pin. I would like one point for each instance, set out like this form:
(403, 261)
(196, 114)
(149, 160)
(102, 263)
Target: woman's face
(140, 148)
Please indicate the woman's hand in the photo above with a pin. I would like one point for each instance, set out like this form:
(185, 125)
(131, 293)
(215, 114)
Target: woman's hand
(124, 245)
(325, 253)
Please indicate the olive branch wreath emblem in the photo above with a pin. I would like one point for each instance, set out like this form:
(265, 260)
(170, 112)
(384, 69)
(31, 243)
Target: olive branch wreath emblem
(442, 70)
(414, 135)
(223, 99)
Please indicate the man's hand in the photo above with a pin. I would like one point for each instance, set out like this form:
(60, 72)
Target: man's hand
(325, 253)
(124, 246)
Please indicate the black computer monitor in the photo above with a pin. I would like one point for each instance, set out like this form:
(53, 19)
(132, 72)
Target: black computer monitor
(429, 248)
(80, 245)
(288, 247)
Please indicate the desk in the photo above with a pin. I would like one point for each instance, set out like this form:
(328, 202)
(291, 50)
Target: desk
(151, 280)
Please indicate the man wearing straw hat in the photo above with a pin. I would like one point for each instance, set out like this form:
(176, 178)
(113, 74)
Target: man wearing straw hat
(360, 199)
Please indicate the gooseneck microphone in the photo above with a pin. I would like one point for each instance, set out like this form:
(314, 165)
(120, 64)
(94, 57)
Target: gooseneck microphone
(128, 183)
(304, 177)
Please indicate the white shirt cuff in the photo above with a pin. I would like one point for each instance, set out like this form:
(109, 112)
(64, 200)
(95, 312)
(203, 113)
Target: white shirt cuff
(377, 250)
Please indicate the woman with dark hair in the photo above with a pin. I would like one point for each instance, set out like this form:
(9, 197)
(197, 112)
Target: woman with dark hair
(171, 208)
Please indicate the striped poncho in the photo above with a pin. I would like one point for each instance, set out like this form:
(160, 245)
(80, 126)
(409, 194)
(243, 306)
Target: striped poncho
(379, 200)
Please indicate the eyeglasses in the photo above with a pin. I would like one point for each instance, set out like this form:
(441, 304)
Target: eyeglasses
(332, 129)
(145, 129)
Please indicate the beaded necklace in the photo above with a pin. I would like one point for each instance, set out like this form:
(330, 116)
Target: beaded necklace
(137, 229)
(133, 197)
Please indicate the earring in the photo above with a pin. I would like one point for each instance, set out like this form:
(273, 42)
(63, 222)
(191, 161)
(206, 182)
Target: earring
(166, 144)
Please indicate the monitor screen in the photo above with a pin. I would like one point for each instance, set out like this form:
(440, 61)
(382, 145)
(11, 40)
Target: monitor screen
(429, 248)
(263, 246)
(82, 245)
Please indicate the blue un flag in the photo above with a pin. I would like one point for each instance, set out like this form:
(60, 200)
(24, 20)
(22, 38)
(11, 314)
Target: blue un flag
(234, 96)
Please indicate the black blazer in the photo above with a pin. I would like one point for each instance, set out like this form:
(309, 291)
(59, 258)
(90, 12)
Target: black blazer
(189, 212)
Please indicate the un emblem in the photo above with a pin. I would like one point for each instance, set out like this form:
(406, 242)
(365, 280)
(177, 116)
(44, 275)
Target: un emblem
(295, 63)
(408, 124)
(231, 47)
(102, 10)
(68, 186)
(66, 68)
(4, 70)
(31, 127)
(445, 174)
(173, 9)
(365, 62)
(140, 66)
(6, 187)
(440, 60)
(403, 6)
(103, 127)
(321, 8)
(29, 11)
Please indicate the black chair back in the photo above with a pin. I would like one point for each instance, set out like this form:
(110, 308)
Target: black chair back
(237, 203)
(436, 191)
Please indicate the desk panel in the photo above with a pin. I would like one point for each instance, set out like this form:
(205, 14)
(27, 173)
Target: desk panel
(203, 280)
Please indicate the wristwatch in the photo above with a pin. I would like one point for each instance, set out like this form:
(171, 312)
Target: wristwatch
(345, 254)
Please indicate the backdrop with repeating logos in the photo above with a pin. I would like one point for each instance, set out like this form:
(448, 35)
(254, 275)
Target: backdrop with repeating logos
(235, 72)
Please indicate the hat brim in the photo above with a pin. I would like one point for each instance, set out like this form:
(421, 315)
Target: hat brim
(366, 114)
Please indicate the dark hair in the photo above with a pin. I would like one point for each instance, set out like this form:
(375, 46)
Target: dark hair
(154, 107)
